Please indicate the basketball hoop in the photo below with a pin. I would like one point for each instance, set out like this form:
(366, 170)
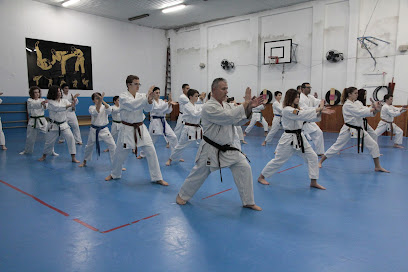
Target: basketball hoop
(273, 60)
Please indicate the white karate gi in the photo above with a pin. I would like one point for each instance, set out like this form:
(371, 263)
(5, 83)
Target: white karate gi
(311, 129)
(353, 114)
(35, 125)
(2, 138)
(388, 112)
(99, 119)
(257, 117)
(58, 112)
(131, 111)
(276, 121)
(292, 119)
(72, 119)
(183, 100)
(160, 109)
(219, 123)
(116, 122)
(370, 130)
(189, 134)
(239, 135)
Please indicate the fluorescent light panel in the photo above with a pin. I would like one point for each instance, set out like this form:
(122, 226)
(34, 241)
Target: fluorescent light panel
(174, 8)
(69, 3)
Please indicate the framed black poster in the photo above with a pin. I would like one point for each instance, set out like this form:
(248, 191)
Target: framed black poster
(52, 63)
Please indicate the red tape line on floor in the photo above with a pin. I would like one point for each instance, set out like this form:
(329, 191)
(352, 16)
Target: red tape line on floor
(289, 168)
(217, 193)
(348, 147)
(35, 198)
(86, 225)
(106, 231)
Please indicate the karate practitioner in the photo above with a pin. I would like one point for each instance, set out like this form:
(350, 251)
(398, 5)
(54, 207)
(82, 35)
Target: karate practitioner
(71, 116)
(158, 124)
(293, 140)
(183, 99)
(37, 122)
(133, 133)
(311, 129)
(218, 120)
(257, 117)
(192, 130)
(277, 117)
(99, 128)
(388, 112)
(58, 125)
(353, 114)
(2, 138)
(361, 99)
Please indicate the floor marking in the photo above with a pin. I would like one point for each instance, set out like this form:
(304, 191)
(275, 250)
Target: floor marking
(217, 193)
(86, 225)
(348, 147)
(128, 224)
(289, 168)
(35, 198)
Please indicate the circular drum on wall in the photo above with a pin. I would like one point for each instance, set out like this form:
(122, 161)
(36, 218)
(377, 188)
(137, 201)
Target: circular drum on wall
(333, 97)
(268, 94)
(378, 90)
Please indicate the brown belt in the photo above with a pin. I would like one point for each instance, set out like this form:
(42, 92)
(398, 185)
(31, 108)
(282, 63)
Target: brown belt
(392, 127)
(136, 127)
(194, 125)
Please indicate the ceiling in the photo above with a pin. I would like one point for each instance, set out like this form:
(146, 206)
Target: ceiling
(196, 12)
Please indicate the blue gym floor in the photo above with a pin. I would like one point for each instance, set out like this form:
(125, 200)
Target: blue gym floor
(56, 216)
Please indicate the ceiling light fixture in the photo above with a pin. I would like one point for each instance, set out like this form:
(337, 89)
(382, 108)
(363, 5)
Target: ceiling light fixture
(173, 8)
(138, 17)
(69, 3)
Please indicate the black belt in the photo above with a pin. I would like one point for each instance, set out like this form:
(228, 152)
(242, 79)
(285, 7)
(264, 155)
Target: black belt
(119, 122)
(299, 137)
(163, 121)
(98, 129)
(194, 125)
(358, 135)
(59, 125)
(35, 120)
(278, 115)
(222, 148)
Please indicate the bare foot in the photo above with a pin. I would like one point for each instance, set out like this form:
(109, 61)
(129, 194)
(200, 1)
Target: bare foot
(61, 141)
(253, 207)
(398, 146)
(106, 150)
(133, 151)
(168, 162)
(317, 185)
(264, 143)
(181, 160)
(244, 134)
(263, 181)
(167, 145)
(42, 158)
(75, 160)
(162, 182)
(380, 169)
(319, 164)
(180, 201)
(82, 164)
(244, 142)
(22, 153)
(4, 147)
(139, 157)
(80, 143)
(123, 169)
(108, 178)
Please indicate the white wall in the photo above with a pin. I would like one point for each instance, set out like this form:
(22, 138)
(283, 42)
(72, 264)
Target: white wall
(317, 27)
(118, 49)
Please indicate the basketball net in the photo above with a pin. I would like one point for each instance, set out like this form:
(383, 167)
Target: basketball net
(273, 60)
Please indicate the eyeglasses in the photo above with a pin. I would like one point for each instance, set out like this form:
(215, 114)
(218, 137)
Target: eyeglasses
(136, 84)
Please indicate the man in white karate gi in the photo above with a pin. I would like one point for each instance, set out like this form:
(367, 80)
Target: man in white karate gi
(311, 129)
(183, 99)
(133, 133)
(216, 151)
